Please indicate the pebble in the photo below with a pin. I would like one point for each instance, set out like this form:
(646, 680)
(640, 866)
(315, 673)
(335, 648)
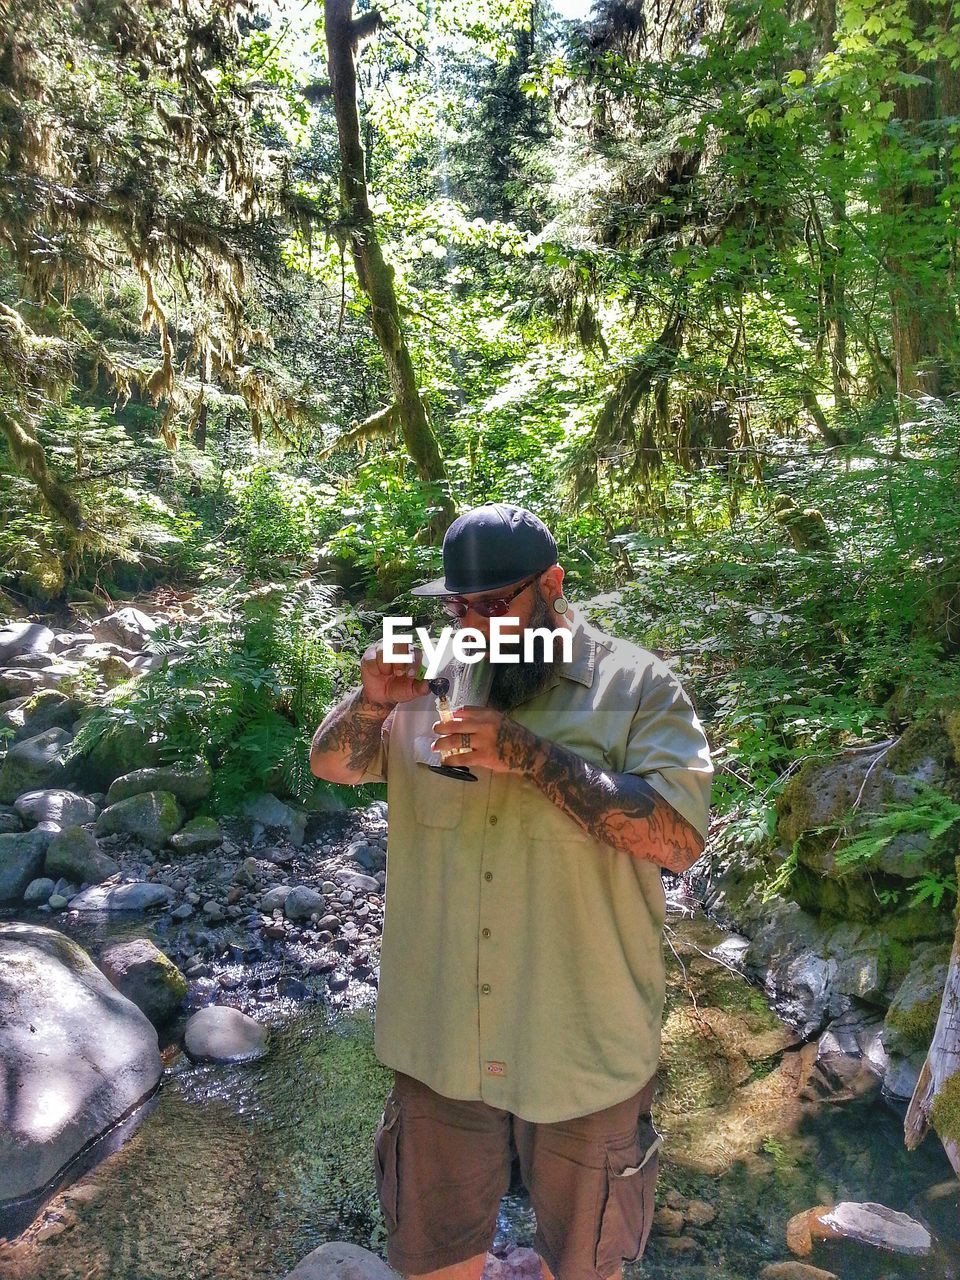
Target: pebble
(668, 1222)
(678, 1244)
(699, 1214)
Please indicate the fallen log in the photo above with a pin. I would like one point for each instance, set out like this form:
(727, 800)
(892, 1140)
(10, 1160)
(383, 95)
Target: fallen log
(936, 1098)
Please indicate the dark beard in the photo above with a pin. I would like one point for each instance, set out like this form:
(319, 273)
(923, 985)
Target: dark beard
(514, 683)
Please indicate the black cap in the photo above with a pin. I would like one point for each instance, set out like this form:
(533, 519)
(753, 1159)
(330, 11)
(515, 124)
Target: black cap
(491, 547)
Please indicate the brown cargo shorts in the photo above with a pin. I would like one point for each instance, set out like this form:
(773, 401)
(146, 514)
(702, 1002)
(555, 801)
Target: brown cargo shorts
(442, 1166)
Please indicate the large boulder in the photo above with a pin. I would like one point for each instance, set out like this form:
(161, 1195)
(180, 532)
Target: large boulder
(147, 977)
(190, 783)
(75, 854)
(151, 817)
(18, 638)
(816, 802)
(21, 860)
(55, 809)
(75, 1055)
(33, 764)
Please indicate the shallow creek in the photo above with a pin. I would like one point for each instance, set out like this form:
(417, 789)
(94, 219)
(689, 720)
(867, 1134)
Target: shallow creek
(238, 1171)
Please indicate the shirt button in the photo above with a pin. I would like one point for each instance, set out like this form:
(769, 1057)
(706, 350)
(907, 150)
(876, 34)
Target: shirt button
(493, 819)
(486, 933)
(488, 875)
(486, 988)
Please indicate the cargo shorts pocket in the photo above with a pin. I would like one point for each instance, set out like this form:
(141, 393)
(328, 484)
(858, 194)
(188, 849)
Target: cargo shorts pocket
(385, 1161)
(626, 1215)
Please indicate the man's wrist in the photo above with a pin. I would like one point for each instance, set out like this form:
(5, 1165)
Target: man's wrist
(372, 708)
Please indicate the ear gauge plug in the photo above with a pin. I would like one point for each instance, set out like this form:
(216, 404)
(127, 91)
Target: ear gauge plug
(561, 604)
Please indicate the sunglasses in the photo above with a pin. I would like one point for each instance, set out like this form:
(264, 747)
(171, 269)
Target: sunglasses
(495, 607)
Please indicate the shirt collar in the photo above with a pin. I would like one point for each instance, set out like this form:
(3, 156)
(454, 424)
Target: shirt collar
(586, 642)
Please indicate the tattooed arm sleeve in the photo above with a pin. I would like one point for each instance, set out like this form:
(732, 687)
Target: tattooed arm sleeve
(619, 809)
(349, 739)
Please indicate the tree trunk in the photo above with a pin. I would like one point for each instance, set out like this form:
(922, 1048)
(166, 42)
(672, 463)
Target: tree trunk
(832, 245)
(917, 308)
(343, 33)
(937, 1095)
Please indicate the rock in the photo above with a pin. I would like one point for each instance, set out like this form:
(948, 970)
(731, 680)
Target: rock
(38, 890)
(217, 1033)
(794, 1271)
(876, 1225)
(127, 626)
(34, 763)
(267, 812)
(801, 1233)
(667, 1221)
(75, 852)
(126, 747)
(18, 638)
(58, 901)
(189, 783)
(902, 1073)
(21, 860)
(146, 976)
(678, 1244)
(47, 709)
(275, 898)
(864, 974)
(75, 1055)
(803, 991)
(196, 835)
(699, 1213)
(912, 1015)
(183, 912)
(55, 808)
(301, 903)
(355, 881)
(152, 817)
(9, 820)
(341, 1261)
(136, 895)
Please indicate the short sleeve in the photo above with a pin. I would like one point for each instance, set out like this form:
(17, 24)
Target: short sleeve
(668, 748)
(376, 770)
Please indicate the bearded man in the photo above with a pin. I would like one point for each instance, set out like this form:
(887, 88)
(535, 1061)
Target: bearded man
(521, 976)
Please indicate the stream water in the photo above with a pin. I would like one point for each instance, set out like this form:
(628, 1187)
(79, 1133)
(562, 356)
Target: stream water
(239, 1171)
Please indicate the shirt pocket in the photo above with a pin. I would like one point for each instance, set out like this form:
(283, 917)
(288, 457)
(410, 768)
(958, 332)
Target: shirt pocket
(437, 801)
(541, 820)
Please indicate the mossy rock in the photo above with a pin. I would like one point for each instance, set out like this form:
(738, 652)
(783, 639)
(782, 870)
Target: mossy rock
(912, 1016)
(851, 898)
(123, 749)
(151, 817)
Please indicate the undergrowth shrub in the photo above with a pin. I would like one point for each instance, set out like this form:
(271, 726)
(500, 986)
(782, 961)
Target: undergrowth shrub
(242, 687)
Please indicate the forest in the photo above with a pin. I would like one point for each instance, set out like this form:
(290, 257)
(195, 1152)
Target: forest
(286, 287)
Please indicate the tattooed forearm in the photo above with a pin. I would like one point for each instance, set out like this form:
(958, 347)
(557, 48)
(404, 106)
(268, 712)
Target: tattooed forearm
(349, 738)
(619, 809)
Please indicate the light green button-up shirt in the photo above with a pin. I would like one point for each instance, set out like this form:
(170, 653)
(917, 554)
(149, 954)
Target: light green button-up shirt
(521, 961)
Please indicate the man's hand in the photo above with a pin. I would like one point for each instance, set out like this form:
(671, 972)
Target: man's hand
(487, 729)
(391, 682)
(619, 809)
